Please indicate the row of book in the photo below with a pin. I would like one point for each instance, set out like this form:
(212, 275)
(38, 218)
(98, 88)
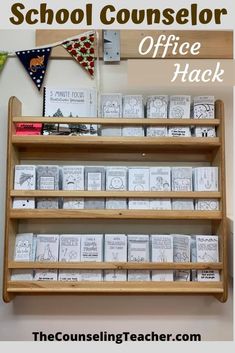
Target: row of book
(116, 248)
(158, 106)
(98, 178)
(82, 102)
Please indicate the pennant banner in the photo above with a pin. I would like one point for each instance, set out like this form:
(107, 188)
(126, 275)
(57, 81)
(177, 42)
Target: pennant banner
(35, 63)
(82, 50)
(3, 59)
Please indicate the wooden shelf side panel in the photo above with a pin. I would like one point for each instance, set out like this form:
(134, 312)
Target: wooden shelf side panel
(219, 160)
(14, 108)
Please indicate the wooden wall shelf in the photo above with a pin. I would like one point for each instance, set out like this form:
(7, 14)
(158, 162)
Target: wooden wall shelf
(210, 288)
(114, 214)
(130, 40)
(59, 148)
(116, 266)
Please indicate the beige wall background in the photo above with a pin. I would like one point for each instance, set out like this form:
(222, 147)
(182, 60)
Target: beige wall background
(163, 314)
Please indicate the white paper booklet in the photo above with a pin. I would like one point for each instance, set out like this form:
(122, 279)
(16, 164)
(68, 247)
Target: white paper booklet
(160, 179)
(25, 179)
(28, 203)
(70, 102)
(138, 251)
(182, 205)
(115, 250)
(180, 107)
(48, 178)
(73, 179)
(92, 251)
(182, 178)
(111, 107)
(25, 247)
(181, 253)
(207, 205)
(204, 108)
(157, 107)
(133, 107)
(206, 179)
(69, 251)
(47, 250)
(162, 251)
(116, 178)
(138, 179)
(160, 204)
(207, 250)
(116, 204)
(138, 204)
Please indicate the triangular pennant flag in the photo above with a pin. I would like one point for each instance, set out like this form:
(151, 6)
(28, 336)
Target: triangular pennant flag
(82, 50)
(35, 63)
(3, 59)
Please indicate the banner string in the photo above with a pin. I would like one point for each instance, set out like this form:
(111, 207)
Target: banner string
(53, 45)
(98, 72)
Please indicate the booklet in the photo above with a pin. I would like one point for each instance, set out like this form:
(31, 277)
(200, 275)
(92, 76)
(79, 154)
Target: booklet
(70, 102)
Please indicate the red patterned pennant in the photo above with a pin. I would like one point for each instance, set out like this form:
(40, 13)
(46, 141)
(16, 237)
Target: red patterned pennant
(83, 51)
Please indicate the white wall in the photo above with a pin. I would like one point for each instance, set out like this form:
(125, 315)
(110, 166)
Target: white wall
(18, 319)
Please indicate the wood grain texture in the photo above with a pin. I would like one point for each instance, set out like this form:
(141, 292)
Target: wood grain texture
(114, 214)
(130, 40)
(140, 154)
(120, 121)
(117, 194)
(220, 162)
(115, 287)
(115, 265)
(14, 108)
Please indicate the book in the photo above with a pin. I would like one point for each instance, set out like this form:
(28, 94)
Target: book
(181, 253)
(138, 180)
(138, 251)
(25, 179)
(47, 250)
(160, 204)
(116, 178)
(133, 107)
(73, 179)
(204, 108)
(207, 250)
(70, 102)
(115, 250)
(94, 181)
(160, 179)
(28, 129)
(182, 178)
(157, 108)
(91, 251)
(206, 179)
(25, 247)
(111, 107)
(48, 178)
(69, 251)
(180, 107)
(207, 205)
(162, 251)
(183, 205)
